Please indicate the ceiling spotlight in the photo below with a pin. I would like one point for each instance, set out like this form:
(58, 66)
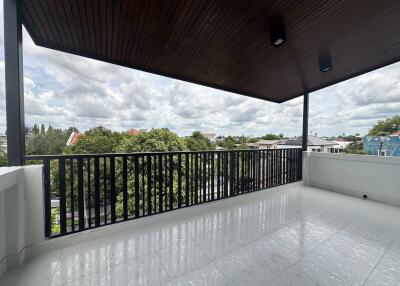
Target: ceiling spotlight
(278, 32)
(325, 61)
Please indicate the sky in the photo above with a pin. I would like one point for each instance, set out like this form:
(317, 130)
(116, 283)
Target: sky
(64, 90)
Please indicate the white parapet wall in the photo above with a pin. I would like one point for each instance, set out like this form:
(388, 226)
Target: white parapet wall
(21, 213)
(356, 175)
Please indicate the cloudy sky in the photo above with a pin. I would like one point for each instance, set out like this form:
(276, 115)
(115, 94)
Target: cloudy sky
(65, 90)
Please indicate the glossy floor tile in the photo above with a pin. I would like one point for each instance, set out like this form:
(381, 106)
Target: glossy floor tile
(294, 235)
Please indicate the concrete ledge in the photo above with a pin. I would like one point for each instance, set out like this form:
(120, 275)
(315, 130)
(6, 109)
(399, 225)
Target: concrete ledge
(355, 175)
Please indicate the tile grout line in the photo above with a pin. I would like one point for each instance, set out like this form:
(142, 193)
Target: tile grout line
(372, 271)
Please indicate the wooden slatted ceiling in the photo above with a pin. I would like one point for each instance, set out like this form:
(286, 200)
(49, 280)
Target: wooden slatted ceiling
(225, 44)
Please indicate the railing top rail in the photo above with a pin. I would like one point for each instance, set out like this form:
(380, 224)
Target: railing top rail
(42, 157)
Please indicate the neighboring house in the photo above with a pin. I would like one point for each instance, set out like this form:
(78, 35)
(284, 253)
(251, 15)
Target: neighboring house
(210, 136)
(134, 131)
(383, 145)
(314, 144)
(73, 138)
(341, 145)
(267, 144)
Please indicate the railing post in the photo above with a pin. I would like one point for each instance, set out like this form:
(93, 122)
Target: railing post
(14, 82)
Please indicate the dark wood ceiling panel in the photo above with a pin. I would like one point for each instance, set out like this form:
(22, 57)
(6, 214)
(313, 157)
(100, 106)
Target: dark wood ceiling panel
(225, 44)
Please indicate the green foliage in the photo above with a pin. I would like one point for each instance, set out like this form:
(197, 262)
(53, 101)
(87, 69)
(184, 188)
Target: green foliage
(197, 142)
(385, 127)
(96, 140)
(155, 140)
(3, 158)
(227, 142)
(354, 148)
(272, 137)
(47, 142)
(55, 226)
(251, 140)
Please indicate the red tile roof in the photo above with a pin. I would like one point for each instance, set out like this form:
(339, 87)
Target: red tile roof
(134, 131)
(73, 138)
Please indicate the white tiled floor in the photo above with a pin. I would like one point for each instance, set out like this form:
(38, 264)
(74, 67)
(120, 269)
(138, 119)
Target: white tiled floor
(296, 236)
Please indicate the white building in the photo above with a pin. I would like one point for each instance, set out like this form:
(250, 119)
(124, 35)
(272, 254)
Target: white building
(314, 144)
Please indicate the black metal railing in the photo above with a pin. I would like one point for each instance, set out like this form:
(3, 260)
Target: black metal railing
(87, 191)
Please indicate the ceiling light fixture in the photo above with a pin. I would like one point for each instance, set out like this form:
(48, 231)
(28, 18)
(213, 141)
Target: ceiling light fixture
(278, 32)
(325, 61)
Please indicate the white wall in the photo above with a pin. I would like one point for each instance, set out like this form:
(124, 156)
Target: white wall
(21, 213)
(356, 175)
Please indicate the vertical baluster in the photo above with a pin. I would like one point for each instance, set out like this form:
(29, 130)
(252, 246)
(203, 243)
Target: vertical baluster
(231, 173)
(242, 180)
(218, 175)
(187, 182)
(192, 179)
(149, 186)
(212, 175)
(160, 184)
(171, 182)
(276, 167)
(72, 198)
(196, 179)
(258, 169)
(166, 187)
(179, 169)
(155, 179)
(204, 176)
(137, 185)
(237, 170)
(292, 162)
(47, 198)
(142, 196)
(96, 191)
(89, 195)
(208, 155)
(279, 156)
(300, 175)
(112, 188)
(125, 185)
(81, 195)
(250, 154)
(225, 175)
(61, 188)
(105, 189)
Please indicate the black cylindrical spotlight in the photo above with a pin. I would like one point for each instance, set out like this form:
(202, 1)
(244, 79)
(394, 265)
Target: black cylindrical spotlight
(325, 61)
(278, 32)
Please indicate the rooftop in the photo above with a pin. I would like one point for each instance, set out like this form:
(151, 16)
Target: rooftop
(289, 235)
(311, 141)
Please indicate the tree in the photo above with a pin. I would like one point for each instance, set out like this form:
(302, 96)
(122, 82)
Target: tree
(385, 127)
(197, 142)
(35, 129)
(352, 138)
(49, 142)
(272, 137)
(228, 143)
(96, 140)
(155, 140)
(354, 148)
(42, 129)
(3, 158)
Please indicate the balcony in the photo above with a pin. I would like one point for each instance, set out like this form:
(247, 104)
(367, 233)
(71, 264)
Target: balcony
(210, 218)
(292, 234)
